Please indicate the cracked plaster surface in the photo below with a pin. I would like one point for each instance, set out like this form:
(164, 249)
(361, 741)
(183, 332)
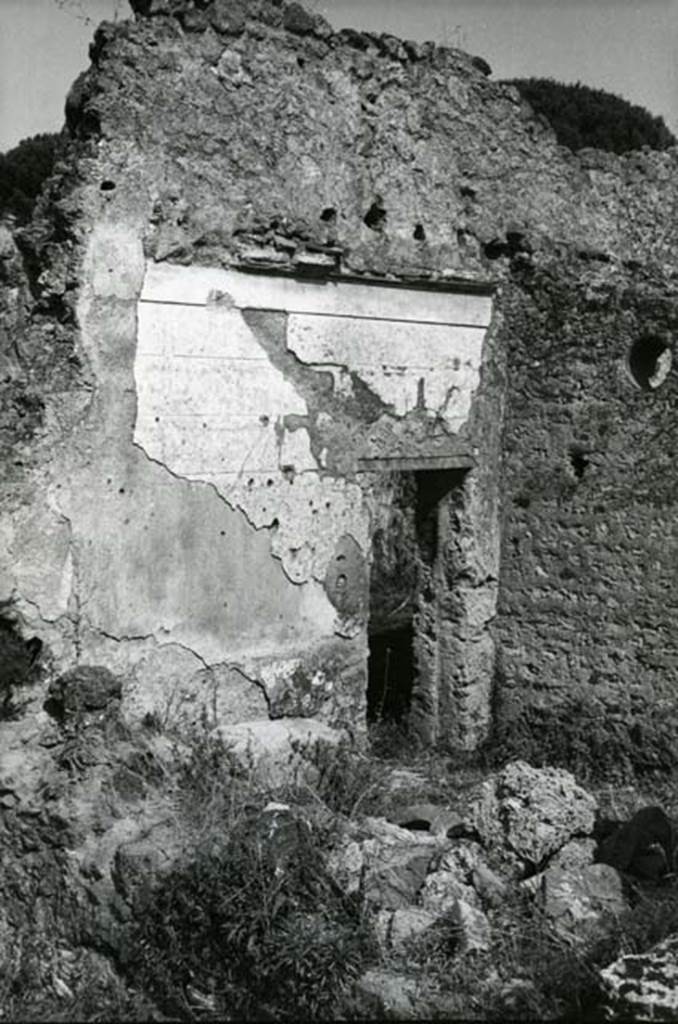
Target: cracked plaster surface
(212, 407)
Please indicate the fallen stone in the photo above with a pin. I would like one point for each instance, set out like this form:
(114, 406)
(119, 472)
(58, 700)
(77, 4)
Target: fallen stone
(278, 752)
(227, 16)
(442, 889)
(474, 927)
(395, 929)
(406, 778)
(85, 688)
(386, 995)
(389, 863)
(297, 19)
(394, 875)
(645, 846)
(462, 859)
(643, 986)
(578, 853)
(389, 834)
(489, 886)
(527, 814)
(345, 864)
(577, 900)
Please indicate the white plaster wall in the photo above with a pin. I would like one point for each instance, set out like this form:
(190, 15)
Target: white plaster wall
(212, 406)
(408, 364)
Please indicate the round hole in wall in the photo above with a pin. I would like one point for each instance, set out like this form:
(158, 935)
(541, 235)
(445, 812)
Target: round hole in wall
(649, 363)
(107, 186)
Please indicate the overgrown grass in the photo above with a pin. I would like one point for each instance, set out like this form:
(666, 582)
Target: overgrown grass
(250, 924)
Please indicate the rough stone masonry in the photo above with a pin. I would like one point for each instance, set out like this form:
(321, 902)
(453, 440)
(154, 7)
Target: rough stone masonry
(333, 385)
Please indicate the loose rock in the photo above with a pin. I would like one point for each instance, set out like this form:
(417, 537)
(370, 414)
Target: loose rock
(474, 928)
(644, 986)
(577, 900)
(528, 814)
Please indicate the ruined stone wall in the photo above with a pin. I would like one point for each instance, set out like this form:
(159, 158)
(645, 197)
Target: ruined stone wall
(588, 588)
(250, 135)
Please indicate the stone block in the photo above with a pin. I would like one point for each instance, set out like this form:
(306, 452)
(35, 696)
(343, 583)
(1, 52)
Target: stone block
(577, 900)
(529, 813)
(278, 752)
(643, 986)
(397, 929)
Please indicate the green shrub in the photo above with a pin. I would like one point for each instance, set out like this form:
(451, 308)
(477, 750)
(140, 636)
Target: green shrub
(257, 932)
(582, 116)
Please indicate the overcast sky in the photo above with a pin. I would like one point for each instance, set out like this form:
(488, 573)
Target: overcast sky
(629, 47)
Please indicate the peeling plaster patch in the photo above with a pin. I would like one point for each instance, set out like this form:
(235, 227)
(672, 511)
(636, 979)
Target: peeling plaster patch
(408, 365)
(307, 514)
(213, 408)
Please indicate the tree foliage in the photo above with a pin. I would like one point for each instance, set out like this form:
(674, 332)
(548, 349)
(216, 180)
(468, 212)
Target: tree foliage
(581, 116)
(22, 173)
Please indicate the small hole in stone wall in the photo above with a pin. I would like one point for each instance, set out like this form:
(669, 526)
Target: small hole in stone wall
(301, 62)
(579, 460)
(467, 192)
(107, 186)
(269, 482)
(329, 215)
(496, 249)
(419, 233)
(375, 217)
(649, 363)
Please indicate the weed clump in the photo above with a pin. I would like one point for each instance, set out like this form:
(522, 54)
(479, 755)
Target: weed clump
(249, 924)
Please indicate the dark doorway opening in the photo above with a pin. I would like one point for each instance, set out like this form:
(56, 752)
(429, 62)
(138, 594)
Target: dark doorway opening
(406, 545)
(390, 668)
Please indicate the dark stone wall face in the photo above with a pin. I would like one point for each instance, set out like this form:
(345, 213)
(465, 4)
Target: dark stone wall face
(588, 598)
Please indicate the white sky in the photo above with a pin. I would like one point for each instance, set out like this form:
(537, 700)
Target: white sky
(629, 47)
